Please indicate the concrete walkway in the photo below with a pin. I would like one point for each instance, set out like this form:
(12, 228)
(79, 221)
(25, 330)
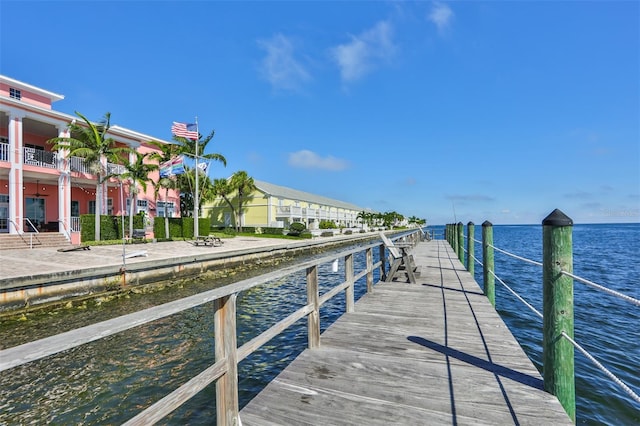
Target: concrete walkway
(47, 260)
(25, 262)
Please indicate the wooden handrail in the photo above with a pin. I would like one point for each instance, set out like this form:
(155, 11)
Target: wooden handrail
(228, 355)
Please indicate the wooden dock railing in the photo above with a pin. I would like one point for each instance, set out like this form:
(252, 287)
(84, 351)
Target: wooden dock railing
(557, 301)
(227, 355)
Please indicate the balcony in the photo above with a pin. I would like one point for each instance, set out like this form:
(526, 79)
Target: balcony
(289, 211)
(4, 152)
(115, 169)
(40, 158)
(49, 160)
(78, 164)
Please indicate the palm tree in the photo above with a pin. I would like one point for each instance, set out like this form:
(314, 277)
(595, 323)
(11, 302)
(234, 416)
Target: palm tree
(90, 141)
(244, 184)
(138, 174)
(188, 147)
(363, 217)
(222, 188)
(166, 153)
(186, 185)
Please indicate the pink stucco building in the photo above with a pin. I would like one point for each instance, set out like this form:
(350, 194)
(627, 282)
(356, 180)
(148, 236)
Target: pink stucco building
(41, 189)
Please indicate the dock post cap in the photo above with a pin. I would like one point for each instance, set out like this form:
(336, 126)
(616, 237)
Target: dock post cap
(487, 223)
(470, 223)
(459, 224)
(557, 218)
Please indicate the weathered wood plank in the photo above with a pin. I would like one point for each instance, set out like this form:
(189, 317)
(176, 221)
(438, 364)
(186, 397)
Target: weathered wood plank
(434, 352)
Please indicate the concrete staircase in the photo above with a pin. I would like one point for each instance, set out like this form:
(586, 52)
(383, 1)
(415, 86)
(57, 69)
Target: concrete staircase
(24, 241)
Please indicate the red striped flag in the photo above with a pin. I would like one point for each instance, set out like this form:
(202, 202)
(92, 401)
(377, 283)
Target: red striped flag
(185, 130)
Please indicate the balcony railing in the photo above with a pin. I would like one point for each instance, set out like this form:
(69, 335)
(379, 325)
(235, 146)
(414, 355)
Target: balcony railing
(115, 169)
(40, 158)
(289, 211)
(79, 164)
(4, 152)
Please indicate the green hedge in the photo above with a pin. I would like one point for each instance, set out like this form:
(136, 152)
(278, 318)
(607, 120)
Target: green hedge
(111, 227)
(175, 227)
(204, 226)
(272, 231)
(296, 228)
(327, 224)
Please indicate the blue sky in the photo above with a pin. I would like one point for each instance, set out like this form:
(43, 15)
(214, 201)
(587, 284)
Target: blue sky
(495, 110)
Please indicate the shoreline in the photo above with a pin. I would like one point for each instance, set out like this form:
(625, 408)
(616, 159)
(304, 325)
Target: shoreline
(37, 278)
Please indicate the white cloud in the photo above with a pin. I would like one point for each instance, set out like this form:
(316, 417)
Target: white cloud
(441, 15)
(364, 52)
(306, 159)
(280, 66)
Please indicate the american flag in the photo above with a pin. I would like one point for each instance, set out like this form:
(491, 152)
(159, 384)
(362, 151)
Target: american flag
(185, 130)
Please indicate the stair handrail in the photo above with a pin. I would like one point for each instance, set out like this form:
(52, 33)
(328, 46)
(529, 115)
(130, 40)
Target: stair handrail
(64, 229)
(15, 225)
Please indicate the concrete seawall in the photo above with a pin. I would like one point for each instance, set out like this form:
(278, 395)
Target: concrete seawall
(35, 277)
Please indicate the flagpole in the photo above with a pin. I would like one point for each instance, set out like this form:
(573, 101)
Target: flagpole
(195, 201)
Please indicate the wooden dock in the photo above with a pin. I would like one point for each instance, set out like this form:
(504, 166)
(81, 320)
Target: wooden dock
(434, 352)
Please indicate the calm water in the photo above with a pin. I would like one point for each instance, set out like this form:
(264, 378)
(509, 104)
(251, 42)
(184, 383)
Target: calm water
(109, 381)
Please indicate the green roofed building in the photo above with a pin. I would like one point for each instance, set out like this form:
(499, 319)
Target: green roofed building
(277, 206)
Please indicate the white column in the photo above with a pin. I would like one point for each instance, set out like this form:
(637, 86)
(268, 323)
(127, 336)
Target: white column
(64, 185)
(16, 182)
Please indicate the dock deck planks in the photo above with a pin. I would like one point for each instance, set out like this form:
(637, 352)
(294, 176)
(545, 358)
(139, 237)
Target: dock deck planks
(434, 352)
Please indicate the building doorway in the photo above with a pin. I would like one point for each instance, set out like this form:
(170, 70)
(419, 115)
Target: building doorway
(4, 213)
(35, 212)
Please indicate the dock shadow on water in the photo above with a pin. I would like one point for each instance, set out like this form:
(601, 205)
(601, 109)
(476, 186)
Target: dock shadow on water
(111, 380)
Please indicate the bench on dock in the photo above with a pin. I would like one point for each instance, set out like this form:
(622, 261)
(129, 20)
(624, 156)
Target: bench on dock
(139, 233)
(209, 240)
(401, 260)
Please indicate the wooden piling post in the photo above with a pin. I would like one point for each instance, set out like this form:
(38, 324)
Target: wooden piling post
(460, 227)
(369, 257)
(226, 350)
(383, 274)
(454, 238)
(488, 280)
(313, 298)
(470, 248)
(348, 277)
(557, 301)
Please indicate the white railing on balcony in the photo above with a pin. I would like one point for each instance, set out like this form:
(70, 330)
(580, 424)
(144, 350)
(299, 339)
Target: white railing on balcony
(78, 164)
(115, 169)
(40, 158)
(4, 152)
(289, 211)
(75, 224)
